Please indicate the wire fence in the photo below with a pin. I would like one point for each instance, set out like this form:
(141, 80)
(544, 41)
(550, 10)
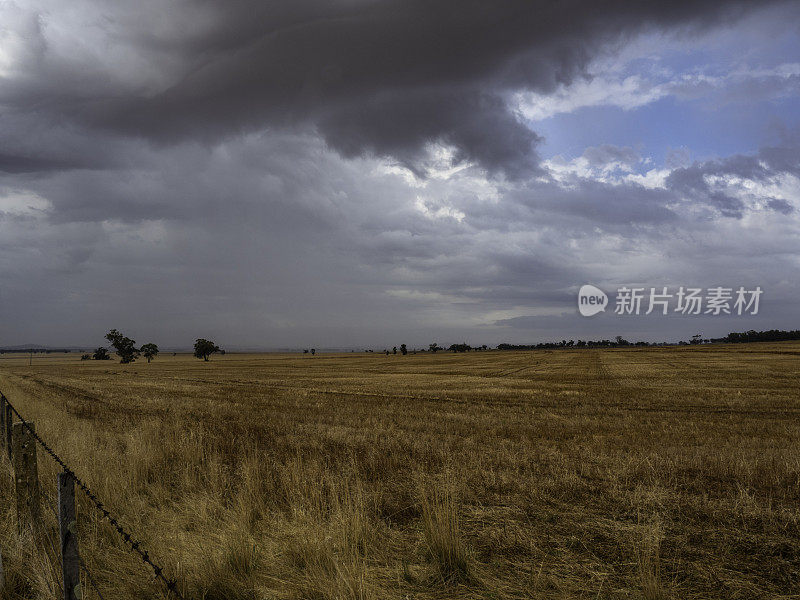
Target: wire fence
(7, 412)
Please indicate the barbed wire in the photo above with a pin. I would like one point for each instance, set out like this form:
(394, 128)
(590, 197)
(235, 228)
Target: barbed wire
(129, 539)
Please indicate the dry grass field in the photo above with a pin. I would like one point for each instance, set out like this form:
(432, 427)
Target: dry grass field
(641, 473)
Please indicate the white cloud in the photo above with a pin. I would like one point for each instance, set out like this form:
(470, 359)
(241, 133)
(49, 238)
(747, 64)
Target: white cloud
(759, 195)
(606, 164)
(23, 203)
(433, 211)
(652, 179)
(627, 93)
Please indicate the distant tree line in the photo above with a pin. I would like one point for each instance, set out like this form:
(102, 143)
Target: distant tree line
(617, 342)
(464, 347)
(773, 335)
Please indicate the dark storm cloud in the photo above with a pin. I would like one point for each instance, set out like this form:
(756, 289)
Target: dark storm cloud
(374, 77)
(13, 163)
(478, 126)
(210, 169)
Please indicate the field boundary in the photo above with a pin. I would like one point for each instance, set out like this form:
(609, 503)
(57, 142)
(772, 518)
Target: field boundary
(20, 442)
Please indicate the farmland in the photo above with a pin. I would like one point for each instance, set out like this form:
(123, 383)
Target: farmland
(620, 473)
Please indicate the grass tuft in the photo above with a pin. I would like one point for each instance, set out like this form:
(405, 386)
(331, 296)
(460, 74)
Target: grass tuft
(440, 525)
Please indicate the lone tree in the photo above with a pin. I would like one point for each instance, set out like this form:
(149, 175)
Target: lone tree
(149, 351)
(403, 349)
(101, 354)
(204, 348)
(125, 346)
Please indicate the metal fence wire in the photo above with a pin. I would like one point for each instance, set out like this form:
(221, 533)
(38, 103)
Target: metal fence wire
(134, 545)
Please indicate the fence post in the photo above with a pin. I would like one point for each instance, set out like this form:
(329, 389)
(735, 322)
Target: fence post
(26, 475)
(68, 531)
(9, 423)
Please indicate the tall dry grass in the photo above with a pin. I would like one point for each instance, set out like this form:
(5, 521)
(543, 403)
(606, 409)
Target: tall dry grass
(655, 473)
(650, 535)
(441, 526)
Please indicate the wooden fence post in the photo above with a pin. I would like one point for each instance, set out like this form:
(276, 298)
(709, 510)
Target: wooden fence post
(68, 531)
(9, 423)
(26, 476)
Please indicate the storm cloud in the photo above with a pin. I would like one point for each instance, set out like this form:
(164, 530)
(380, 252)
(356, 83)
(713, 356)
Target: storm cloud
(384, 78)
(340, 173)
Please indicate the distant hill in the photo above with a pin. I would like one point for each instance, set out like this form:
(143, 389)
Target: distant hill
(38, 348)
(22, 347)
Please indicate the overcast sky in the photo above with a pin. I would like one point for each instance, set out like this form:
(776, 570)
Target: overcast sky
(365, 172)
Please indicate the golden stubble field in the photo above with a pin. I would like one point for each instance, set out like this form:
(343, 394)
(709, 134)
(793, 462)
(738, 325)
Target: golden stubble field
(640, 473)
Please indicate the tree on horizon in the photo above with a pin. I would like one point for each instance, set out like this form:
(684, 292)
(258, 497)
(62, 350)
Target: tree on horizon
(101, 354)
(149, 351)
(204, 348)
(125, 346)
